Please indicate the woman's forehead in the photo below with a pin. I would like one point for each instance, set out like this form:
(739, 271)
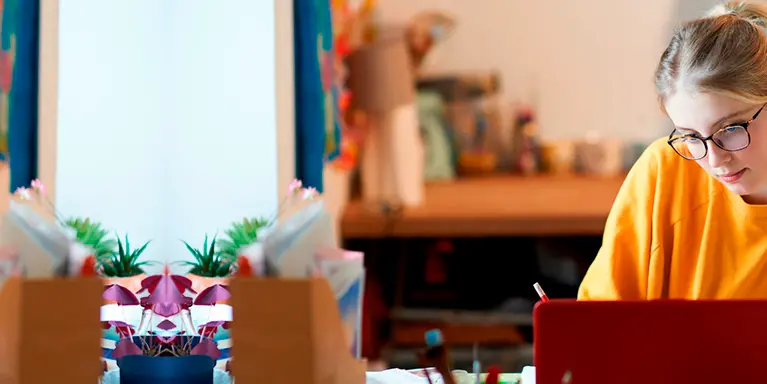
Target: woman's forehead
(703, 112)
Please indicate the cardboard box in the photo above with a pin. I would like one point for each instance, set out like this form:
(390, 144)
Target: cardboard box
(289, 331)
(50, 331)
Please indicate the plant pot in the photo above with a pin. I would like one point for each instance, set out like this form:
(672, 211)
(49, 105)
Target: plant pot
(199, 283)
(133, 283)
(140, 369)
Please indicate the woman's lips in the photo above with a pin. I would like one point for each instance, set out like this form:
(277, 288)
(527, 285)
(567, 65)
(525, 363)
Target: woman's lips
(732, 177)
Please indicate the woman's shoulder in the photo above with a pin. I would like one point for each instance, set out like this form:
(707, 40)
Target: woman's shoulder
(671, 183)
(671, 170)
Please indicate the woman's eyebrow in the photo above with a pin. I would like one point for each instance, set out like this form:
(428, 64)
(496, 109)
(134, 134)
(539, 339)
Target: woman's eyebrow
(730, 116)
(720, 121)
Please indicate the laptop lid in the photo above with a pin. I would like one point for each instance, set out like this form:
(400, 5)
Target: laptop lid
(640, 342)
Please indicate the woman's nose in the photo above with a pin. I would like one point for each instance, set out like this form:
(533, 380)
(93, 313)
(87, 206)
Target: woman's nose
(718, 157)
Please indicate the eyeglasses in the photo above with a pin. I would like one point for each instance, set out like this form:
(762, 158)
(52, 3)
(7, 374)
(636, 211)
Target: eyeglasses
(731, 138)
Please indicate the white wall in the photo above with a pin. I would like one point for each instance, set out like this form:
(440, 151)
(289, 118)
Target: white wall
(172, 118)
(587, 64)
(222, 144)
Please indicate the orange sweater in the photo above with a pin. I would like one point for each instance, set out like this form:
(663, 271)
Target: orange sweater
(676, 232)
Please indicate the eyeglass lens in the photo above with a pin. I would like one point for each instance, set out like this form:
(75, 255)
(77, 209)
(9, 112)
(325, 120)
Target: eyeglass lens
(730, 139)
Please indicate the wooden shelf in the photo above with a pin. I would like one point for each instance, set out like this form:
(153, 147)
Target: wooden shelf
(493, 206)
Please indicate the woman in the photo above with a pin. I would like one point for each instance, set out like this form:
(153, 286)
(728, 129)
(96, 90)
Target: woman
(691, 218)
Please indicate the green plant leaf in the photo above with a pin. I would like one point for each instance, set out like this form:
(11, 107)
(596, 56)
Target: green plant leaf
(92, 234)
(120, 248)
(127, 245)
(123, 262)
(197, 256)
(239, 235)
(141, 249)
(108, 270)
(212, 250)
(223, 270)
(208, 261)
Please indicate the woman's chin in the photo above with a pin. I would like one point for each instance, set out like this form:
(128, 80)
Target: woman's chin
(750, 193)
(738, 189)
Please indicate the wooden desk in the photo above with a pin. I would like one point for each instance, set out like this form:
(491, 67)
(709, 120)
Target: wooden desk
(493, 206)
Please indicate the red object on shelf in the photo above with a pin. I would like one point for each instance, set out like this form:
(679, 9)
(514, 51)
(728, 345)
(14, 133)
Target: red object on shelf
(243, 267)
(88, 269)
(493, 375)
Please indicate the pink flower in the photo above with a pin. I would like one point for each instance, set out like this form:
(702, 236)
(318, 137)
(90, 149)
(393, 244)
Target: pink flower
(6, 70)
(38, 187)
(310, 193)
(23, 193)
(294, 187)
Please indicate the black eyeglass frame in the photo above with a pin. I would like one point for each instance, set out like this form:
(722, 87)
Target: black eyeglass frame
(744, 125)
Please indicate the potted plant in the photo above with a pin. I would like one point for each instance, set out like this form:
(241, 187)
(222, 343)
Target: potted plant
(92, 242)
(175, 351)
(122, 266)
(242, 244)
(210, 266)
(93, 251)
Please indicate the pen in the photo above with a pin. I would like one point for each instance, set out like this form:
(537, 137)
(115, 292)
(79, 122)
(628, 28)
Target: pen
(428, 378)
(540, 292)
(425, 363)
(477, 366)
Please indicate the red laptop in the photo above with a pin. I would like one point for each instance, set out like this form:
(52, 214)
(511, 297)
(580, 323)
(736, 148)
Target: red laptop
(644, 342)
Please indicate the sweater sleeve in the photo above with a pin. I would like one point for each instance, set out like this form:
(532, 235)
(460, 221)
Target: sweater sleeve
(621, 269)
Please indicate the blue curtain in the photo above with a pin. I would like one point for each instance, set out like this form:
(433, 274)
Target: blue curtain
(316, 93)
(19, 64)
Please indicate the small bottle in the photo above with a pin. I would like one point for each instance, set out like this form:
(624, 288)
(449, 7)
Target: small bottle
(528, 157)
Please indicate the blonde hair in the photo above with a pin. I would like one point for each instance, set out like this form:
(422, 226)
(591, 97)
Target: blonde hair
(724, 53)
